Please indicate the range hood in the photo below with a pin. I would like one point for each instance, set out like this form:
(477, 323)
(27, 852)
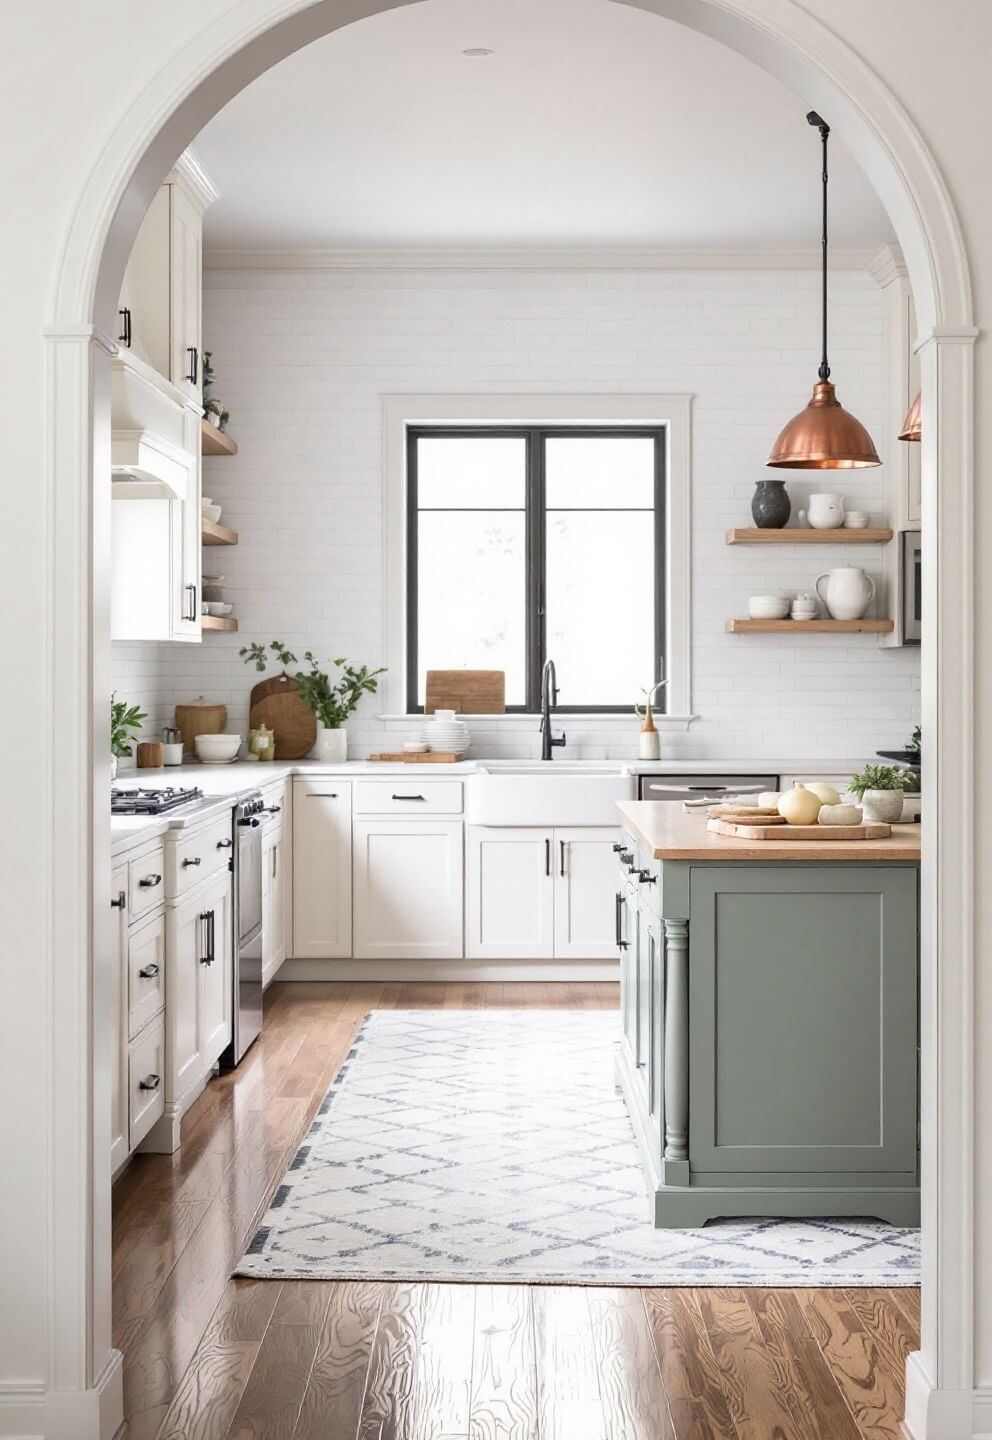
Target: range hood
(148, 429)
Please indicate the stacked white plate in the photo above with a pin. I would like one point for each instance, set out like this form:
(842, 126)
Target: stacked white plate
(447, 735)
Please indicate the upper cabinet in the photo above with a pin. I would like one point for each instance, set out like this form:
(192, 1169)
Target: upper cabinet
(156, 413)
(160, 308)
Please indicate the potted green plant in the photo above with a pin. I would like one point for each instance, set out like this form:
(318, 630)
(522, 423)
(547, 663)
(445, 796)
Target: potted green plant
(213, 410)
(125, 723)
(881, 790)
(332, 701)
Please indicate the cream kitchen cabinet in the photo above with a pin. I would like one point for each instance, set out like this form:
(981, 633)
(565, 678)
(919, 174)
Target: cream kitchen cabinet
(160, 306)
(408, 889)
(276, 882)
(138, 974)
(119, 1147)
(536, 893)
(321, 868)
(214, 970)
(510, 899)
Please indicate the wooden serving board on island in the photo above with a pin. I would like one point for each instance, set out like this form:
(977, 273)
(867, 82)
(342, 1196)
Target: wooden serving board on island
(776, 830)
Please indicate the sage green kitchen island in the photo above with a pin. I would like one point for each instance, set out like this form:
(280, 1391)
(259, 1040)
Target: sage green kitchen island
(769, 998)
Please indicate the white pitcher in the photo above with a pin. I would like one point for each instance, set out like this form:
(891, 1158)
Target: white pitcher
(826, 511)
(848, 594)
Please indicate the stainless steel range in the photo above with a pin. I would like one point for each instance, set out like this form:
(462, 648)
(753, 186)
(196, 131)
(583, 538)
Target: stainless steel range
(147, 800)
(247, 1002)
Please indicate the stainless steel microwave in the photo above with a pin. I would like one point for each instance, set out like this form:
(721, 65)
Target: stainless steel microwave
(912, 587)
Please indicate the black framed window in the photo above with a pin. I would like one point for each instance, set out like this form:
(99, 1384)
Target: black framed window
(529, 542)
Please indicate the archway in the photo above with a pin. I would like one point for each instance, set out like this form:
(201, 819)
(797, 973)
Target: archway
(236, 48)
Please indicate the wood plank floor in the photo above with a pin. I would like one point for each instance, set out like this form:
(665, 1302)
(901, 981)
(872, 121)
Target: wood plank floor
(207, 1357)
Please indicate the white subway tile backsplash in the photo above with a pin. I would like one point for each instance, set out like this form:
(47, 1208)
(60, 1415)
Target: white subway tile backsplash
(302, 361)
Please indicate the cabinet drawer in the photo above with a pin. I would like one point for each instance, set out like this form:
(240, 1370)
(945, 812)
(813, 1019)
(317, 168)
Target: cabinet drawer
(192, 858)
(411, 797)
(145, 973)
(146, 1082)
(146, 882)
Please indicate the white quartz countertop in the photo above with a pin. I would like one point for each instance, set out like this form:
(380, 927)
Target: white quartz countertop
(229, 783)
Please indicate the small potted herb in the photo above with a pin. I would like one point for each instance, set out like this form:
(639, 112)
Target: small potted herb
(331, 702)
(881, 790)
(125, 723)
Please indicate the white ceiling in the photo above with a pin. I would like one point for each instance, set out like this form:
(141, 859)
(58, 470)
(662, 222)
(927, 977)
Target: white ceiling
(592, 123)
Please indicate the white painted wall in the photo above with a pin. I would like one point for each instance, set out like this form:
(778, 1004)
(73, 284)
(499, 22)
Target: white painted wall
(303, 359)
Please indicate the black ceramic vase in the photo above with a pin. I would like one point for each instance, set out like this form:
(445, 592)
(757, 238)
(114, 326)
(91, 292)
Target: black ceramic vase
(770, 504)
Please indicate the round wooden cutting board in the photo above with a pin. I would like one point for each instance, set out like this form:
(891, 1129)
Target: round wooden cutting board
(277, 704)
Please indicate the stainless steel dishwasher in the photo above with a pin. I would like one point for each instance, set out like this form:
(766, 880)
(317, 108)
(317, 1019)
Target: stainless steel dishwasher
(704, 787)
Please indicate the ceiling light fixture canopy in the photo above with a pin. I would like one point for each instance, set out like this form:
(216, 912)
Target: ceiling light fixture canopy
(912, 426)
(824, 436)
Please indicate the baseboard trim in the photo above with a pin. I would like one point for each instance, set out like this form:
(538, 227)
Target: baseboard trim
(29, 1412)
(482, 970)
(933, 1414)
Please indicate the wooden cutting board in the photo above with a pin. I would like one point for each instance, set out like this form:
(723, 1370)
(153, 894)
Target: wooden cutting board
(433, 757)
(199, 719)
(749, 813)
(467, 692)
(741, 830)
(277, 704)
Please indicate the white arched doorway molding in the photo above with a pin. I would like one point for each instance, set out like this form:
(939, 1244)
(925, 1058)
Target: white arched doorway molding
(79, 1397)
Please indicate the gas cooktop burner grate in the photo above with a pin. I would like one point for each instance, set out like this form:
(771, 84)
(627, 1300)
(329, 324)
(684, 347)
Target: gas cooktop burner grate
(142, 800)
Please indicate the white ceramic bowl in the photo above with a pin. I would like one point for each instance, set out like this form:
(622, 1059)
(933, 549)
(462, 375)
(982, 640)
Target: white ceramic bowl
(217, 749)
(768, 607)
(219, 607)
(855, 520)
(212, 513)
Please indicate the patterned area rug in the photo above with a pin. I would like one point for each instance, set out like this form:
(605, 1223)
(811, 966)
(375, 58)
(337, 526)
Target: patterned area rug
(492, 1146)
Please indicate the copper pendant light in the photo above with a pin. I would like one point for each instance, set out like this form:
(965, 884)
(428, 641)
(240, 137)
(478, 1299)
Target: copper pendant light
(824, 436)
(912, 427)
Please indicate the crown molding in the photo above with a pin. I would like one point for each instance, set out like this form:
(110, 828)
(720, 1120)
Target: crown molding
(191, 173)
(567, 258)
(887, 265)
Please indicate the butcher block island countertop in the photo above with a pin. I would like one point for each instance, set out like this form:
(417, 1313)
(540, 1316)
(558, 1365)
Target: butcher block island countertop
(664, 829)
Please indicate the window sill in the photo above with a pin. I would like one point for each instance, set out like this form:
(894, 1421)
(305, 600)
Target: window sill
(560, 718)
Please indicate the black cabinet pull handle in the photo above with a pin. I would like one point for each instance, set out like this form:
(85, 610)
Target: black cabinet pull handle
(224, 844)
(150, 1082)
(208, 958)
(120, 902)
(213, 936)
(148, 972)
(331, 795)
(124, 338)
(547, 857)
(191, 592)
(409, 797)
(646, 878)
(148, 882)
(621, 942)
(272, 809)
(194, 364)
(191, 860)
(561, 857)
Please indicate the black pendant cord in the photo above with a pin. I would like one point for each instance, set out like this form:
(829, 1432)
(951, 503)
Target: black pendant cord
(824, 129)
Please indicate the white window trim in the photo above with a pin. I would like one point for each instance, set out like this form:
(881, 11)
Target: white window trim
(400, 412)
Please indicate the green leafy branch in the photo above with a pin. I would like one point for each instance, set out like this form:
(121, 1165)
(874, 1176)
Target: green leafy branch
(125, 724)
(331, 701)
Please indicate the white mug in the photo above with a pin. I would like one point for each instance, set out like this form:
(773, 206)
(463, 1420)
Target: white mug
(849, 592)
(826, 511)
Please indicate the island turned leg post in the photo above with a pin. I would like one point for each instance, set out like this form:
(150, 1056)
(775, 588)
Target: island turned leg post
(677, 1040)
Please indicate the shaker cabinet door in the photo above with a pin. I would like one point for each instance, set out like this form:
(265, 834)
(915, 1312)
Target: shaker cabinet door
(321, 868)
(803, 991)
(510, 906)
(408, 889)
(585, 868)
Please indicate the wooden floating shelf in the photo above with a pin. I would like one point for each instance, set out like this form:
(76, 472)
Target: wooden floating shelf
(214, 441)
(817, 627)
(218, 622)
(802, 536)
(214, 534)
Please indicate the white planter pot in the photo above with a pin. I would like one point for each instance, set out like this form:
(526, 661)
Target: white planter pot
(882, 807)
(332, 745)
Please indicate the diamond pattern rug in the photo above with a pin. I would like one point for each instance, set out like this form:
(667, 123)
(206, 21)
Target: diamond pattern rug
(492, 1146)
